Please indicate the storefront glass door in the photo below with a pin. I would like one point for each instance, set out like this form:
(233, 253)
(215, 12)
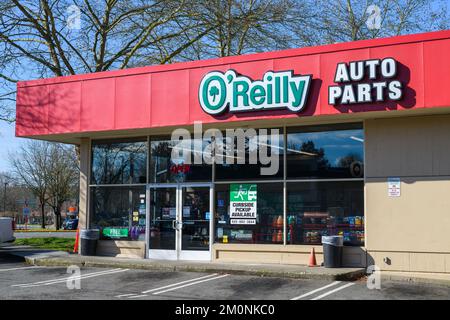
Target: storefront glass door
(180, 221)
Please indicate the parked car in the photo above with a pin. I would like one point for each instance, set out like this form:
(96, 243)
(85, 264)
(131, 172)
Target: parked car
(6, 230)
(71, 223)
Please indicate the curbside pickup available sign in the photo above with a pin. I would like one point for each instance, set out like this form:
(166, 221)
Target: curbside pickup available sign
(275, 90)
(243, 203)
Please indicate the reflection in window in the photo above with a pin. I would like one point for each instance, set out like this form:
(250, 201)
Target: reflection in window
(315, 209)
(164, 168)
(332, 153)
(119, 162)
(119, 212)
(255, 146)
(269, 221)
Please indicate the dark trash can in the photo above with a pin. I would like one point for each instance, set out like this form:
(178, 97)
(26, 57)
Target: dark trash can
(88, 239)
(332, 251)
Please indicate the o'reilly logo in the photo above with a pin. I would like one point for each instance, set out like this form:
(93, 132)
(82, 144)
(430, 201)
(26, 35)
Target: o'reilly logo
(239, 93)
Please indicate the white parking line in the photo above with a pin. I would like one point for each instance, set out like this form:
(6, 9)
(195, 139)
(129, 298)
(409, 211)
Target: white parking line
(316, 290)
(61, 280)
(179, 283)
(22, 268)
(138, 296)
(191, 284)
(125, 295)
(144, 293)
(333, 291)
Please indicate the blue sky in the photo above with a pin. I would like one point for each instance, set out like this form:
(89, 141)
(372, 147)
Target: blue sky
(8, 143)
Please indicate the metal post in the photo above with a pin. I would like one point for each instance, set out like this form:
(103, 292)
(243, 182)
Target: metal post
(4, 199)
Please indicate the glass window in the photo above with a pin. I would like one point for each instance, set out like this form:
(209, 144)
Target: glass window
(268, 227)
(165, 169)
(315, 209)
(326, 152)
(119, 162)
(263, 156)
(163, 214)
(119, 212)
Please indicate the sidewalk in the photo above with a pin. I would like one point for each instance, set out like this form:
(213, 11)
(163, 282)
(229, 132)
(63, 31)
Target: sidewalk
(58, 258)
(42, 230)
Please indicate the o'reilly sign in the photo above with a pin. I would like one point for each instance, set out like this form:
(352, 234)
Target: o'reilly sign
(240, 93)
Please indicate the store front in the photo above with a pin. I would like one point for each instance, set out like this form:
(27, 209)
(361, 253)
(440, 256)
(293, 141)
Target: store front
(348, 139)
(317, 190)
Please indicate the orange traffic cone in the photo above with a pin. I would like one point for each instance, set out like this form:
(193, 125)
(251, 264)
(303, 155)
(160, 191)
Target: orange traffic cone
(77, 238)
(312, 258)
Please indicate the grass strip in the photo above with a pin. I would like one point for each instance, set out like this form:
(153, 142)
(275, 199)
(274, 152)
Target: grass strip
(51, 243)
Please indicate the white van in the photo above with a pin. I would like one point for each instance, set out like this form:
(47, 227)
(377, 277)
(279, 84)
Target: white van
(6, 230)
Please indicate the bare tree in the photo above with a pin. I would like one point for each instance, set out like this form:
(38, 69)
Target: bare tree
(62, 175)
(246, 26)
(5, 180)
(16, 196)
(50, 172)
(49, 38)
(350, 20)
(30, 164)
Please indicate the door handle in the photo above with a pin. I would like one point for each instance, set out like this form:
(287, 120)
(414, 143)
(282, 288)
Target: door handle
(176, 224)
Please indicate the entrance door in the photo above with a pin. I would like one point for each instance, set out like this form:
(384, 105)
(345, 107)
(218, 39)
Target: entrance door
(180, 222)
(163, 222)
(195, 231)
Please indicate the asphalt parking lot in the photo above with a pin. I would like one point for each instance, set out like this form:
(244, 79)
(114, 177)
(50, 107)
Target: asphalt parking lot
(21, 281)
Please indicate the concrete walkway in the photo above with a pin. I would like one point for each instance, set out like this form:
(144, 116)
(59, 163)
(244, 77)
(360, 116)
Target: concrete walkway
(58, 258)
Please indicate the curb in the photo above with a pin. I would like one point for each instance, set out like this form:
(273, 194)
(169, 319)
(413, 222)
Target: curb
(415, 279)
(237, 270)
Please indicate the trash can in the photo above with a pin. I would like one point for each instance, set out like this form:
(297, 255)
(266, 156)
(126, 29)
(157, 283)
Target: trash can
(332, 251)
(88, 239)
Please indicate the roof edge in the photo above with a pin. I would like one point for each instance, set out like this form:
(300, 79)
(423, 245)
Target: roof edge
(328, 48)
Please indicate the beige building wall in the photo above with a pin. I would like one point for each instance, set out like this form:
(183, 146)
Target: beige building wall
(288, 254)
(410, 232)
(85, 162)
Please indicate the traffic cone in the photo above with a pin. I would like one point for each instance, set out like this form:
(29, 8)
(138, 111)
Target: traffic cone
(312, 258)
(77, 238)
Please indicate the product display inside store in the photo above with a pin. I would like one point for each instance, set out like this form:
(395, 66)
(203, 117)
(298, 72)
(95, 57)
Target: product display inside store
(317, 209)
(314, 209)
(268, 225)
(119, 212)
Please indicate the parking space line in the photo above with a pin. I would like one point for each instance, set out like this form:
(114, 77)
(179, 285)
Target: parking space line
(21, 268)
(316, 290)
(191, 284)
(138, 296)
(61, 280)
(334, 291)
(179, 283)
(125, 295)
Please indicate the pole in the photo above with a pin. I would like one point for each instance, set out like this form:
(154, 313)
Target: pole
(4, 199)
